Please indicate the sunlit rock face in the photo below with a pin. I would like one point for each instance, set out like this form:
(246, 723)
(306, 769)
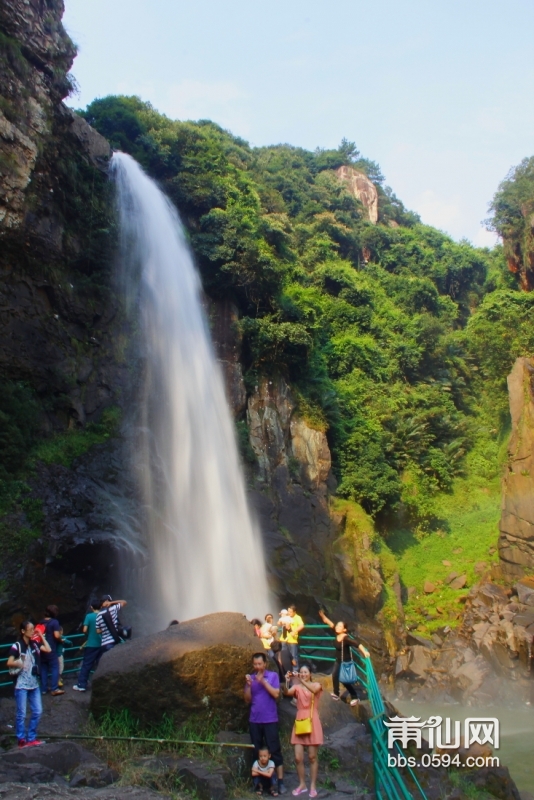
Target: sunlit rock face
(516, 542)
(362, 188)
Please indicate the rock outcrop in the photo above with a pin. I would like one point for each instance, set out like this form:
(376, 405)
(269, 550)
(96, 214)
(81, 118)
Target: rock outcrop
(488, 657)
(362, 188)
(290, 484)
(516, 542)
(184, 670)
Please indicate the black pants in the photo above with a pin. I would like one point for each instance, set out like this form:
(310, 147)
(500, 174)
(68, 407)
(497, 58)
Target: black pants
(335, 680)
(265, 734)
(262, 782)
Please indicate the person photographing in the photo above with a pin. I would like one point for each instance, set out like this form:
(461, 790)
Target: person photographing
(24, 667)
(261, 692)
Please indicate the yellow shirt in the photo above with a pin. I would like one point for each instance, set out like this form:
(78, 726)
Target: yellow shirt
(292, 636)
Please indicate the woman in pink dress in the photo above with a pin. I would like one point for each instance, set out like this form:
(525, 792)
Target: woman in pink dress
(304, 693)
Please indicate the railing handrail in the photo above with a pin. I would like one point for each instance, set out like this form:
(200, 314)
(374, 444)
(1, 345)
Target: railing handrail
(389, 782)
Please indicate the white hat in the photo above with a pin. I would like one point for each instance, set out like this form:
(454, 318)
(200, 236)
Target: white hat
(283, 612)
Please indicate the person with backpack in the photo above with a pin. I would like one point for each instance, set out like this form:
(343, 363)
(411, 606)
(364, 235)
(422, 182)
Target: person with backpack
(24, 667)
(108, 624)
(92, 649)
(50, 661)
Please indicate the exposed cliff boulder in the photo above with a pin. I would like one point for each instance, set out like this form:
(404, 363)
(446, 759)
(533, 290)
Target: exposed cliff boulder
(188, 668)
(516, 542)
(362, 188)
(290, 494)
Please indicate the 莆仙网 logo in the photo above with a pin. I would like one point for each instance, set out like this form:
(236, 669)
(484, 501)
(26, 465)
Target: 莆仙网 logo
(477, 730)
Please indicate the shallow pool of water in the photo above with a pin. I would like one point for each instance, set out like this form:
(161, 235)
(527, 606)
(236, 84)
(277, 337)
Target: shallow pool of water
(516, 733)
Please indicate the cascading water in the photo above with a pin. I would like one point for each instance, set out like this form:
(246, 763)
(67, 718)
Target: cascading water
(203, 551)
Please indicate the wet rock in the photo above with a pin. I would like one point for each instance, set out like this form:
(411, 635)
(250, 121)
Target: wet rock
(413, 638)
(43, 791)
(181, 671)
(26, 773)
(93, 775)
(525, 593)
(420, 661)
(59, 757)
(202, 778)
(239, 760)
(495, 780)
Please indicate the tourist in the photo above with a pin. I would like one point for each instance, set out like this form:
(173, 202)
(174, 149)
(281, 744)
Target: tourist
(49, 658)
(24, 666)
(257, 626)
(296, 625)
(276, 654)
(92, 649)
(61, 644)
(262, 690)
(307, 694)
(107, 622)
(343, 644)
(263, 773)
(268, 631)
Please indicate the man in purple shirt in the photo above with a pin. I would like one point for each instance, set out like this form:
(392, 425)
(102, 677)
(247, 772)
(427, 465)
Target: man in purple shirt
(262, 690)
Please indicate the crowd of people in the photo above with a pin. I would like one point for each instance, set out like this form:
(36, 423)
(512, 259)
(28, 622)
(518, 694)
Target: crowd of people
(293, 678)
(36, 660)
(36, 663)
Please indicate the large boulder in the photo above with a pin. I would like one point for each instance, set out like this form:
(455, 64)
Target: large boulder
(190, 668)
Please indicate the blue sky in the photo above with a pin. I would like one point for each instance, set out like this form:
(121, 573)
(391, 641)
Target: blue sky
(439, 94)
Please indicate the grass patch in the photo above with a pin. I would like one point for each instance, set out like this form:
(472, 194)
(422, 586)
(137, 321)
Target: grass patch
(65, 447)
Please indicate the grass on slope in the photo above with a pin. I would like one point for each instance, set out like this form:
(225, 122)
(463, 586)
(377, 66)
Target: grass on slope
(470, 515)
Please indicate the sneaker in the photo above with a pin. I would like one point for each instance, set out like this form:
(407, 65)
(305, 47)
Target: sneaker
(354, 702)
(35, 743)
(22, 742)
(60, 683)
(78, 688)
(57, 691)
(281, 788)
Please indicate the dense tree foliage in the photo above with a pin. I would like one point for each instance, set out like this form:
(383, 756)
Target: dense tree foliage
(368, 322)
(512, 218)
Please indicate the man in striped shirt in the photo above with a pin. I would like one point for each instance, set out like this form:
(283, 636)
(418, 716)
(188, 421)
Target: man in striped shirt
(107, 622)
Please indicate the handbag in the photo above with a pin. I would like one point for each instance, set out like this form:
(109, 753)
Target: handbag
(304, 726)
(347, 669)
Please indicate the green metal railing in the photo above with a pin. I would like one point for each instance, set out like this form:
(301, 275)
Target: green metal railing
(72, 656)
(389, 781)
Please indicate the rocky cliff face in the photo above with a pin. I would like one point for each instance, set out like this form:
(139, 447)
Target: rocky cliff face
(516, 542)
(362, 188)
(61, 332)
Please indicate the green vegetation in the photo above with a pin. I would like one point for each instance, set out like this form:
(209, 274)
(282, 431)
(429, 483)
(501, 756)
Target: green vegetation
(512, 209)
(64, 448)
(396, 339)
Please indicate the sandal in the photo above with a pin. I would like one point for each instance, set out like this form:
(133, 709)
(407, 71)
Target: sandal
(273, 792)
(354, 702)
(313, 792)
(298, 791)
(334, 696)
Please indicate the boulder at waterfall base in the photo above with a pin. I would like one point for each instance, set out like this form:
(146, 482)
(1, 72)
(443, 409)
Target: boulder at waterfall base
(187, 669)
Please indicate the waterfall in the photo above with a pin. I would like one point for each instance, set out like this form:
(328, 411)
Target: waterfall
(203, 550)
